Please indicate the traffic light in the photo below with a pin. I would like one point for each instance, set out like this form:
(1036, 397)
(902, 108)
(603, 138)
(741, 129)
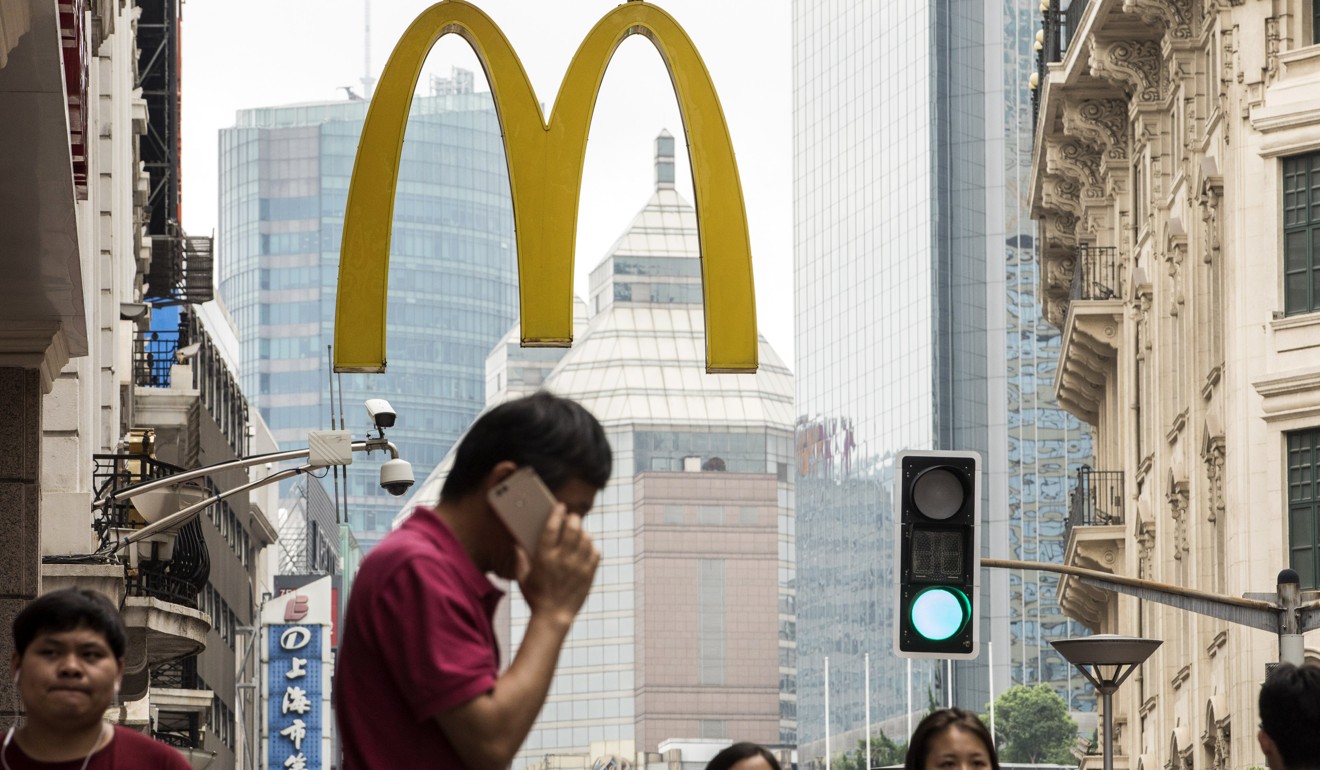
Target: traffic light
(938, 513)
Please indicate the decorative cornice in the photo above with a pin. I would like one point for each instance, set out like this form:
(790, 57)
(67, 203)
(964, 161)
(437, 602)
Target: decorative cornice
(1174, 16)
(1133, 65)
(1290, 395)
(1101, 123)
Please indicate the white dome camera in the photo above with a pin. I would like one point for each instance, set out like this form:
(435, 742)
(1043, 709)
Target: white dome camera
(381, 413)
(396, 476)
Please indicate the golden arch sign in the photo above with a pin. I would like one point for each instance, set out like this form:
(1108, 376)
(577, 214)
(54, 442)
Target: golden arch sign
(545, 174)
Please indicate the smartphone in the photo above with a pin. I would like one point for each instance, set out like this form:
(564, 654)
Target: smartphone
(524, 504)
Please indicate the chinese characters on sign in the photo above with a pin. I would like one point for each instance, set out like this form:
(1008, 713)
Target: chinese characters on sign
(295, 713)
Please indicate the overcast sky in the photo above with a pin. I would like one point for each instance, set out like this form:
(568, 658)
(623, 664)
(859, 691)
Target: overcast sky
(255, 53)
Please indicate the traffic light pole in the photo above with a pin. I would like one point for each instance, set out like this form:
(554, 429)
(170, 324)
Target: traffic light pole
(1281, 613)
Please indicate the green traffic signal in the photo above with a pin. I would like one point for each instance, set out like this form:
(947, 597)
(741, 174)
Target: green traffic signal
(940, 612)
(937, 499)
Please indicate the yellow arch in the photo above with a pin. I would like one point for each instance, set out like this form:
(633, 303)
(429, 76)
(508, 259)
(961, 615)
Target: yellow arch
(545, 176)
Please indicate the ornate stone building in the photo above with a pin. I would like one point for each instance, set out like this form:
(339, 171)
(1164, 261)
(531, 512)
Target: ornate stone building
(1176, 181)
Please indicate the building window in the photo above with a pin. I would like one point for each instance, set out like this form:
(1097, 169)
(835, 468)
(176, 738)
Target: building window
(711, 617)
(1301, 233)
(1304, 505)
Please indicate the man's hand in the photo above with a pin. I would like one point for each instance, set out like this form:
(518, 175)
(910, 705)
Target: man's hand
(487, 730)
(558, 577)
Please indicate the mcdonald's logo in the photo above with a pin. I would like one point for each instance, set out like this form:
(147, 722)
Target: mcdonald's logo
(545, 175)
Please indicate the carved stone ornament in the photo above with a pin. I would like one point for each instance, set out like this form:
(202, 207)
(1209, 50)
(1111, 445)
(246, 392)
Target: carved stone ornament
(1077, 161)
(1177, 497)
(1145, 547)
(1227, 71)
(1101, 123)
(1271, 49)
(1059, 274)
(1062, 194)
(1061, 230)
(1174, 16)
(1133, 65)
(1213, 452)
(1211, 194)
(1217, 738)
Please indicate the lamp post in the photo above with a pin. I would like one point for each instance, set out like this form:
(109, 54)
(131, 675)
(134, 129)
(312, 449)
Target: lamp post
(1106, 660)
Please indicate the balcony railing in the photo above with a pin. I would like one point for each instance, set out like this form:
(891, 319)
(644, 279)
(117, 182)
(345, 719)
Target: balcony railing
(1072, 19)
(1097, 500)
(175, 575)
(153, 355)
(179, 674)
(1095, 273)
(1060, 26)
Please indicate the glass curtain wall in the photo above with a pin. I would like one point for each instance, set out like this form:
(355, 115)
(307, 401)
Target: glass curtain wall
(285, 173)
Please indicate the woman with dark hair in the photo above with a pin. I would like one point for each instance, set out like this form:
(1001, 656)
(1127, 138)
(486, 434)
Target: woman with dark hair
(744, 756)
(951, 739)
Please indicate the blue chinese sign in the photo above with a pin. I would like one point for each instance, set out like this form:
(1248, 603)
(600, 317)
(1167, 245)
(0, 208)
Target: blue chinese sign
(295, 713)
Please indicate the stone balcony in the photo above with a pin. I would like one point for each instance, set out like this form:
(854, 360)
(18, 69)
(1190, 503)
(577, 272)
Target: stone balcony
(1096, 540)
(1092, 333)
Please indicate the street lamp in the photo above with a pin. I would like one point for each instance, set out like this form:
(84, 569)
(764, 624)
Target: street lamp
(1106, 660)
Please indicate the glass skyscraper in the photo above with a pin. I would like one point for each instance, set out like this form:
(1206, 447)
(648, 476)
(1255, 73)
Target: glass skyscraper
(915, 331)
(284, 181)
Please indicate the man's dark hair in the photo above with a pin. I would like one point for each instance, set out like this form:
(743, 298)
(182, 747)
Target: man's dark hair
(737, 753)
(560, 439)
(1290, 711)
(935, 723)
(66, 610)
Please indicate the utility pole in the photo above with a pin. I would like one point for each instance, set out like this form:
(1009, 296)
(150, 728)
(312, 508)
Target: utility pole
(1281, 613)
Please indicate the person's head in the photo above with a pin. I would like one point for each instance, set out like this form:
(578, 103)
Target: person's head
(1289, 712)
(951, 739)
(557, 437)
(744, 756)
(68, 656)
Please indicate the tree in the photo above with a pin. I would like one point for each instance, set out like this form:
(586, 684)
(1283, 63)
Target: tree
(1034, 726)
(883, 752)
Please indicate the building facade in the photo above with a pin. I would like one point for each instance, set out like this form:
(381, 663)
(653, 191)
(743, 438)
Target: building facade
(197, 416)
(689, 629)
(916, 329)
(95, 399)
(1175, 173)
(284, 177)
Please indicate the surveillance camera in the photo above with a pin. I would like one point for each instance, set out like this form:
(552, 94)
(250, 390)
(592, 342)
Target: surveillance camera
(381, 412)
(396, 476)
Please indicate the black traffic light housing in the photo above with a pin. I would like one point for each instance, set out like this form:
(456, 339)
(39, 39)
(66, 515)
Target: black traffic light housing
(938, 554)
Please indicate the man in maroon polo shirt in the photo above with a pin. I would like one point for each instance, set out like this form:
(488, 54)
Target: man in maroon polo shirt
(417, 683)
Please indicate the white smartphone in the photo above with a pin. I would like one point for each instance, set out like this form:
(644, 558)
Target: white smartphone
(524, 504)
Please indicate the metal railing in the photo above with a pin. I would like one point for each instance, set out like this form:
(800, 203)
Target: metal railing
(178, 578)
(1060, 26)
(1095, 273)
(1072, 19)
(178, 674)
(181, 729)
(1097, 499)
(154, 353)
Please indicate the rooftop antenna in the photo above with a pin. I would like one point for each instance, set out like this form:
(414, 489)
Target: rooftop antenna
(367, 80)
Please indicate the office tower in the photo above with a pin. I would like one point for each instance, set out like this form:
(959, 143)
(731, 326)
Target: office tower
(912, 252)
(688, 631)
(284, 181)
